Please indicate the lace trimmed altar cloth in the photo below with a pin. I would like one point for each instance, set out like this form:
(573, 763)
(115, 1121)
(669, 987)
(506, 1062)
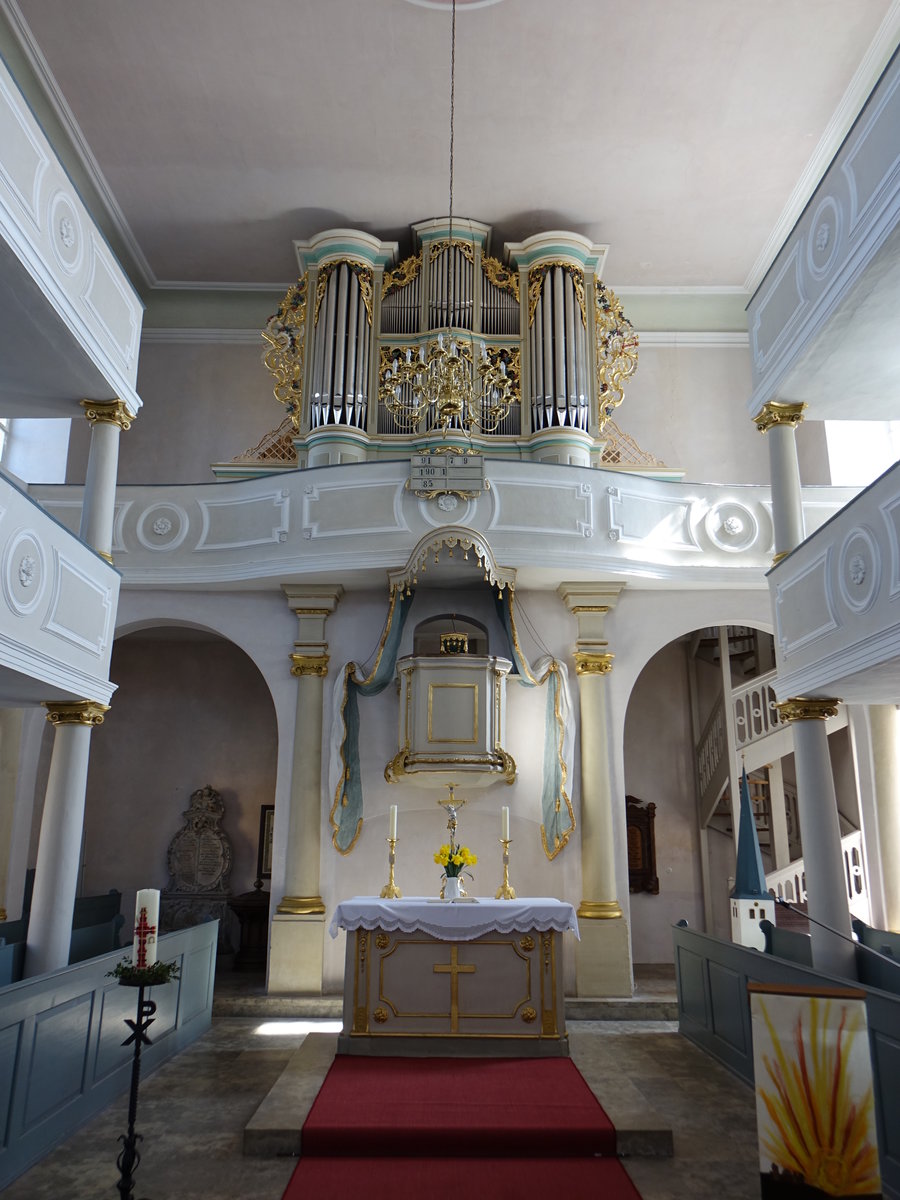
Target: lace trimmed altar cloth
(480, 976)
(454, 921)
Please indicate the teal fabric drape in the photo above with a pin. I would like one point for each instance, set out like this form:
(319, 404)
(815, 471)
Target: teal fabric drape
(557, 814)
(346, 778)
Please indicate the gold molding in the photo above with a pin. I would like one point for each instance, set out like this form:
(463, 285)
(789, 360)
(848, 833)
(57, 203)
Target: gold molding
(779, 556)
(403, 274)
(776, 413)
(589, 663)
(107, 412)
(536, 285)
(82, 712)
(590, 608)
(301, 906)
(504, 278)
(599, 910)
(808, 708)
(285, 333)
(309, 664)
(107, 557)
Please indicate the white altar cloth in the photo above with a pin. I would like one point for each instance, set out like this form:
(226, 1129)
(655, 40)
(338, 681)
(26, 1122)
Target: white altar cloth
(454, 921)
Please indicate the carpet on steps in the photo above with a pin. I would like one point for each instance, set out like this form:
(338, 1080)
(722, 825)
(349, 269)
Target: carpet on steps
(385, 1178)
(471, 1107)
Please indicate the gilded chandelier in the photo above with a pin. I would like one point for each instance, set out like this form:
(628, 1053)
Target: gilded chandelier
(441, 384)
(445, 388)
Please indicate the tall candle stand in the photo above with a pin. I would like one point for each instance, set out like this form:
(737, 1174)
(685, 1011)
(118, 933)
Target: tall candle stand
(390, 891)
(129, 1157)
(505, 891)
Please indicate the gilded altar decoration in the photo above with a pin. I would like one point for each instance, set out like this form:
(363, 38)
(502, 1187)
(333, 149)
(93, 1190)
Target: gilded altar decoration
(617, 352)
(285, 333)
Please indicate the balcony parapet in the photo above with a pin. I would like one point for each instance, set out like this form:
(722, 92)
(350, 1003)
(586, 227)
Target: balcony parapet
(836, 603)
(361, 516)
(58, 245)
(849, 217)
(57, 608)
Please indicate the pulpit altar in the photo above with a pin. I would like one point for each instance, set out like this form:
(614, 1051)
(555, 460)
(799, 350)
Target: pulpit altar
(472, 977)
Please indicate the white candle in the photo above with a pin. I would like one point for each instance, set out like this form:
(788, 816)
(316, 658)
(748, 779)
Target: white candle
(392, 823)
(504, 823)
(146, 926)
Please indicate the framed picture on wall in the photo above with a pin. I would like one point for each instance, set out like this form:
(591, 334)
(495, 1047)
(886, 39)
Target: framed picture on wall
(264, 857)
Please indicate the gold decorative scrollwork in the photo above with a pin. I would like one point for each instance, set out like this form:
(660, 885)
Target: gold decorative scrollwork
(82, 712)
(285, 333)
(439, 248)
(536, 283)
(808, 708)
(777, 413)
(504, 278)
(401, 275)
(589, 663)
(309, 664)
(364, 278)
(617, 352)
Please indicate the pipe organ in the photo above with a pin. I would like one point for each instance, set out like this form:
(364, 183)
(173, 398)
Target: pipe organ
(541, 344)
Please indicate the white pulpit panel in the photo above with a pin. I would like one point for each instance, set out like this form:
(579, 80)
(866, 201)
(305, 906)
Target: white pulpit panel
(452, 721)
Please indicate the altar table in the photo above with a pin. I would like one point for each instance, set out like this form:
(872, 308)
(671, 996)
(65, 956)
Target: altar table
(474, 976)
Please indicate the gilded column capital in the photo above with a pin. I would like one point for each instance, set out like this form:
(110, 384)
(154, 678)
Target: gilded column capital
(599, 910)
(590, 663)
(776, 413)
(808, 708)
(82, 712)
(309, 664)
(107, 412)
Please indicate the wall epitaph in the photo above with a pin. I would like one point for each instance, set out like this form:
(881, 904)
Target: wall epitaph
(199, 861)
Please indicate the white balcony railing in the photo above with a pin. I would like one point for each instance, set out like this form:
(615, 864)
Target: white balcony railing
(790, 882)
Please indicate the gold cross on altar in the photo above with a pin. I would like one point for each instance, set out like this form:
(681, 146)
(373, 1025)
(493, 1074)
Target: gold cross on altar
(454, 970)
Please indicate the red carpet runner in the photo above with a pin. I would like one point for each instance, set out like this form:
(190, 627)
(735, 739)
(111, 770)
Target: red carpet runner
(407, 1128)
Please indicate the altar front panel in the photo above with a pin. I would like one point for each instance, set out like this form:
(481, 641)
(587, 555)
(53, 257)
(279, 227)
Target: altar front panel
(497, 986)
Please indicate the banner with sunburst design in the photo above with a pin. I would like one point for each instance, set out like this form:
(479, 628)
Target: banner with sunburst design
(814, 1102)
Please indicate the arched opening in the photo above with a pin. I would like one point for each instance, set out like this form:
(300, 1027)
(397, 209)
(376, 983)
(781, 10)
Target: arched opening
(191, 710)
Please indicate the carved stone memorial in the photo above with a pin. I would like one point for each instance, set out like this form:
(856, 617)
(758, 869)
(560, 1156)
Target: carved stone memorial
(199, 861)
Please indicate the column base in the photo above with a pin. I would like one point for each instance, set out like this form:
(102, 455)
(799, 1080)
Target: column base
(603, 958)
(296, 948)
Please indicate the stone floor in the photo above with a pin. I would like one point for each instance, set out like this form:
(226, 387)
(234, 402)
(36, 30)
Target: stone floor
(193, 1111)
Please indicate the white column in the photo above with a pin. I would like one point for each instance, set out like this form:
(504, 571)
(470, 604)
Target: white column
(10, 739)
(298, 927)
(780, 422)
(884, 730)
(826, 885)
(603, 955)
(56, 876)
(107, 420)
(781, 852)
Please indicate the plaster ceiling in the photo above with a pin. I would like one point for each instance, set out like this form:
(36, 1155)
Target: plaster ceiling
(674, 130)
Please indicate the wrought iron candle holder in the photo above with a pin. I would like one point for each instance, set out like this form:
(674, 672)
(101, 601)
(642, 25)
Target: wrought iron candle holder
(505, 891)
(129, 1156)
(390, 891)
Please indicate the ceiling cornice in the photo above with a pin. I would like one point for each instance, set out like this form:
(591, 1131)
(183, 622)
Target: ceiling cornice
(867, 74)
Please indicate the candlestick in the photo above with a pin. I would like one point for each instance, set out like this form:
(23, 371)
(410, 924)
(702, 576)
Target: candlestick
(390, 891)
(392, 822)
(504, 823)
(146, 925)
(505, 892)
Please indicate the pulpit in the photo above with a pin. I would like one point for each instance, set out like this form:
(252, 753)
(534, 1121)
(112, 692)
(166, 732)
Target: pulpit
(471, 977)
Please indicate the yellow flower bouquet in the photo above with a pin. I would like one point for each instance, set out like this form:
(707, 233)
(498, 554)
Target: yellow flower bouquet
(453, 858)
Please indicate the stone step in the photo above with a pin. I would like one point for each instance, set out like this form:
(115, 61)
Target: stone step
(275, 1129)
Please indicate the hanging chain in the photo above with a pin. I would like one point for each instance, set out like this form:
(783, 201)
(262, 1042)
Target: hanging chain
(450, 296)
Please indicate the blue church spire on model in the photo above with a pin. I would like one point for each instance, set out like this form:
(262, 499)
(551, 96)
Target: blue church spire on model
(751, 902)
